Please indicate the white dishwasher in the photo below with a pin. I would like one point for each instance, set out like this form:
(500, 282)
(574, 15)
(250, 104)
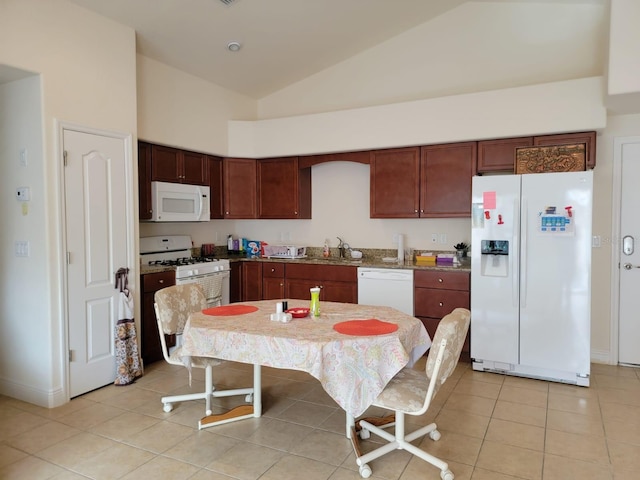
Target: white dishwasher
(391, 287)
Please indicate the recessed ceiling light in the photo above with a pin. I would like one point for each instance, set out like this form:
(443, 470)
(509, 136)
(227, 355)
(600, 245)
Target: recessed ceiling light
(233, 46)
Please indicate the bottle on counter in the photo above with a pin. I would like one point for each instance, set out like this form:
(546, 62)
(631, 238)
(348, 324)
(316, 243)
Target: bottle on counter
(229, 243)
(325, 250)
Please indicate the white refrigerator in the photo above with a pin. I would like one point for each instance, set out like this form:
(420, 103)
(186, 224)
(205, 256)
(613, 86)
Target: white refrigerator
(531, 275)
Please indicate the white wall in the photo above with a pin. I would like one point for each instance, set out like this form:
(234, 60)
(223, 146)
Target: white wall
(88, 73)
(181, 110)
(23, 293)
(475, 47)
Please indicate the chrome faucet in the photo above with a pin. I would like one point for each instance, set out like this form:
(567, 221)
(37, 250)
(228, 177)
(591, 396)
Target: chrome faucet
(342, 248)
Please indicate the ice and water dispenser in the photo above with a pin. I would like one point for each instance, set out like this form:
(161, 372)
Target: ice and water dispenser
(494, 258)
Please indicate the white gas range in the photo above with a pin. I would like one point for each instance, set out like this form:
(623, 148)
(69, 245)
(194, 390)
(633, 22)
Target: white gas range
(211, 274)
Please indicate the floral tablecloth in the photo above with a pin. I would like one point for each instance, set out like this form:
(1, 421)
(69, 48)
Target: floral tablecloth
(352, 369)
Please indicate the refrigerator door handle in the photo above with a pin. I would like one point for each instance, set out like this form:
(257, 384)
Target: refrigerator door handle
(515, 274)
(523, 253)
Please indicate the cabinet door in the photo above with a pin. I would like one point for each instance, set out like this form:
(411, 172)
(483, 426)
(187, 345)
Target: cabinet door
(284, 191)
(500, 155)
(239, 187)
(588, 138)
(165, 165)
(235, 282)
(445, 179)
(144, 181)
(272, 288)
(194, 168)
(298, 288)
(272, 281)
(216, 197)
(435, 303)
(251, 281)
(394, 184)
(345, 292)
(150, 347)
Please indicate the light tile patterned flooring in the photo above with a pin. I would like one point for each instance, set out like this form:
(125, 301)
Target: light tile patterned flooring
(493, 427)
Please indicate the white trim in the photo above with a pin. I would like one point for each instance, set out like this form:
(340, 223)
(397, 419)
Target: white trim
(601, 356)
(30, 394)
(618, 145)
(61, 126)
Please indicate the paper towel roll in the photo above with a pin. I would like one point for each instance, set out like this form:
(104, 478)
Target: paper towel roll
(400, 248)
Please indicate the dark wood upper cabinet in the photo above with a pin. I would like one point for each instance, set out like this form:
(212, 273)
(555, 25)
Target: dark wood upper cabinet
(445, 179)
(361, 156)
(144, 181)
(170, 164)
(588, 138)
(284, 190)
(216, 194)
(240, 187)
(395, 183)
(499, 155)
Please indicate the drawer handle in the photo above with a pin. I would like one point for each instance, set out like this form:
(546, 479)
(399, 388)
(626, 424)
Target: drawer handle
(273, 270)
(160, 281)
(441, 304)
(440, 280)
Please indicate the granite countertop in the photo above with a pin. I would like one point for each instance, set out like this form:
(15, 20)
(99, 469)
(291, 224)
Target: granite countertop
(372, 262)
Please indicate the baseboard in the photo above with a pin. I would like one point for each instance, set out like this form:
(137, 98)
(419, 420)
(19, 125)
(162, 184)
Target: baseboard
(601, 356)
(30, 394)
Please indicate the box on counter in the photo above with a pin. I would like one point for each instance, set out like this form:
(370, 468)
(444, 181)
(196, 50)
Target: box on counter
(251, 248)
(425, 258)
(445, 258)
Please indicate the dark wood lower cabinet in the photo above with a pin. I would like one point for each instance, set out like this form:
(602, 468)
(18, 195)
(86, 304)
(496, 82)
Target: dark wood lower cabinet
(151, 348)
(437, 293)
(338, 283)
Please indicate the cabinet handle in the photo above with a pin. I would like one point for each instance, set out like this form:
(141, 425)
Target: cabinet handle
(160, 281)
(415, 211)
(440, 280)
(273, 270)
(441, 304)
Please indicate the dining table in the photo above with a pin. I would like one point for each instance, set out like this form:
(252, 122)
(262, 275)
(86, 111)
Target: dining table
(353, 350)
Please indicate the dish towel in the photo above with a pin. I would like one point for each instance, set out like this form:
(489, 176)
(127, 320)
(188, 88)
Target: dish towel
(128, 363)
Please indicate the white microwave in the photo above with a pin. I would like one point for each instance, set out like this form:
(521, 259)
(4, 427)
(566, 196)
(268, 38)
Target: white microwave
(178, 202)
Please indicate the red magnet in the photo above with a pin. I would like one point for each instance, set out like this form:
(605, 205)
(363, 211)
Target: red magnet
(487, 215)
(500, 222)
(569, 212)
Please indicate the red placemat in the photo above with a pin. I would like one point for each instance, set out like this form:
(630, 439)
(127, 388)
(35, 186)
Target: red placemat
(371, 326)
(227, 310)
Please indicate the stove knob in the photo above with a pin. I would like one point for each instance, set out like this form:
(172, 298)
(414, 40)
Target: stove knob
(189, 273)
(194, 271)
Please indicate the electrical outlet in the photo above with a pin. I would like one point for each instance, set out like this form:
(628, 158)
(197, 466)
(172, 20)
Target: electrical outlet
(443, 238)
(434, 238)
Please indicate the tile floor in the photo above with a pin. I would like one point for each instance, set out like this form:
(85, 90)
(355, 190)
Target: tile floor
(493, 427)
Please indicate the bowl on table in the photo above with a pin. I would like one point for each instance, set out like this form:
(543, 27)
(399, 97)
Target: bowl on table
(298, 312)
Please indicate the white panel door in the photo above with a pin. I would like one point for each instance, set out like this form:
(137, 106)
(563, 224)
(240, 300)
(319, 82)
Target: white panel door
(494, 278)
(555, 266)
(629, 319)
(96, 230)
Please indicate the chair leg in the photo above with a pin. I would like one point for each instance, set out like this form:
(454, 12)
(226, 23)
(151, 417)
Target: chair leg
(208, 388)
(400, 441)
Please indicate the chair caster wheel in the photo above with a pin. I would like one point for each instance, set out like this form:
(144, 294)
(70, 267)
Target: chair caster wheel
(364, 434)
(446, 475)
(167, 407)
(435, 436)
(249, 398)
(365, 471)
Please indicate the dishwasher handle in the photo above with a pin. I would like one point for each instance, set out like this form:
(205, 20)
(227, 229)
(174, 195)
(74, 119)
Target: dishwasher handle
(386, 274)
